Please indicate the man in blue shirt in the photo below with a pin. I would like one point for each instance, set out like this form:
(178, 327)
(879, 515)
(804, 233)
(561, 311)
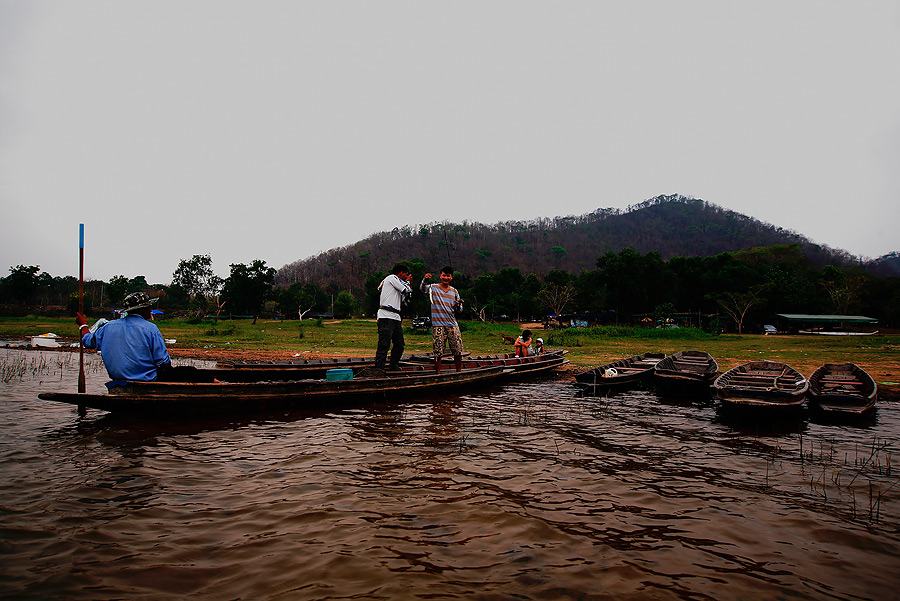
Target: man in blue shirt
(132, 346)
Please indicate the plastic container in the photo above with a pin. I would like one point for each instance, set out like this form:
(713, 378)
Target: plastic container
(333, 375)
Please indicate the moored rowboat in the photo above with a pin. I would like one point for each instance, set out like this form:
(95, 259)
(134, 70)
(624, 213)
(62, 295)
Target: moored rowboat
(842, 389)
(686, 371)
(620, 373)
(762, 385)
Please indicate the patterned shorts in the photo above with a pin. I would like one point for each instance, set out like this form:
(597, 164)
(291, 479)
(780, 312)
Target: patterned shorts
(450, 335)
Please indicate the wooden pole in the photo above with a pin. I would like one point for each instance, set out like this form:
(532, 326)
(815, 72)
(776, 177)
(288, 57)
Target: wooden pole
(82, 386)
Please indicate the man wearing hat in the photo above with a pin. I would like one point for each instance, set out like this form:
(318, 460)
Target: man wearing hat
(132, 346)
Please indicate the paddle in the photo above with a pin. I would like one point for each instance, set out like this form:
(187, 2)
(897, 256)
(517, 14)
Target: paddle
(82, 386)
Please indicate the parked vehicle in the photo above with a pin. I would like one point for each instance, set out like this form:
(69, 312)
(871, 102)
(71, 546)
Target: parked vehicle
(421, 323)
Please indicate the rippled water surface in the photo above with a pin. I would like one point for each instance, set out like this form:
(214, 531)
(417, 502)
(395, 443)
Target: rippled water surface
(526, 490)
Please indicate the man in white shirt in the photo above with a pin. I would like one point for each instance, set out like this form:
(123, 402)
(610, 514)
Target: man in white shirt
(395, 292)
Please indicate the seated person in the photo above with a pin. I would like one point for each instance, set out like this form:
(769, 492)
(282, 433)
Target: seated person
(523, 344)
(539, 346)
(133, 347)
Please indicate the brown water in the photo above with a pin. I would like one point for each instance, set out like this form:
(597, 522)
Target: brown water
(525, 491)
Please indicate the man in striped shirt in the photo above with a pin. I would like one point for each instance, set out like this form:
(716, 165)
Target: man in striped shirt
(445, 302)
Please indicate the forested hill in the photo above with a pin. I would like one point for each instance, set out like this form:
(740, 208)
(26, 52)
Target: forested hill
(670, 225)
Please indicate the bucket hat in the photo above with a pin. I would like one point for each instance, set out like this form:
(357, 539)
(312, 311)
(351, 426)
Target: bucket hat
(138, 300)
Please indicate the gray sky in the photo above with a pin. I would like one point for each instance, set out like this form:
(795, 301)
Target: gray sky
(275, 130)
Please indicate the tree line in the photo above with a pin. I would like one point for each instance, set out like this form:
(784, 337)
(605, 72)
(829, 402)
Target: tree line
(732, 290)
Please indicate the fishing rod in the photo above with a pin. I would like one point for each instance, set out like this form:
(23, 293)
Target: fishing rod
(82, 385)
(447, 244)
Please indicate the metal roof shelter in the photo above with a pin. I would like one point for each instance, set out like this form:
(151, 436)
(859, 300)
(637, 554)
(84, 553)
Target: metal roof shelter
(827, 319)
(828, 324)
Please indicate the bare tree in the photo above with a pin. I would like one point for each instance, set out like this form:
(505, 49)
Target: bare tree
(557, 297)
(301, 312)
(220, 304)
(736, 304)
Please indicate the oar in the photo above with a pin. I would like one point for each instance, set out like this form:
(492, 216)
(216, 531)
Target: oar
(82, 387)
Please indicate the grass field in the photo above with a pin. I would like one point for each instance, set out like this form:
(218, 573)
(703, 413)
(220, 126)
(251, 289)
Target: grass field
(880, 355)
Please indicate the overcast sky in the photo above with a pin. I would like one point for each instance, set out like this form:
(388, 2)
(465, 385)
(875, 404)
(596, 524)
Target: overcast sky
(275, 130)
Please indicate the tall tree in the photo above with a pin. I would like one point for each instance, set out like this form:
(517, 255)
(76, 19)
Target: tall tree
(116, 290)
(248, 286)
(22, 283)
(195, 276)
(344, 304)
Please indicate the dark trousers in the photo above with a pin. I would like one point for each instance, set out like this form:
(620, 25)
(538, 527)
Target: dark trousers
(390, 331)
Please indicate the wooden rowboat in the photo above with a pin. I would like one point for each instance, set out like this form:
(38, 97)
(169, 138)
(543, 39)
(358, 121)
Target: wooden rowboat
(842, 389)
(532, 364)
(686, 371)
(177, 398)
(620, 373)
(762, 385)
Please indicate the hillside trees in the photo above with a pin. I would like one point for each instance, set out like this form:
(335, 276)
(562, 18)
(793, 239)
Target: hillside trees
(634, 283)
(671, 225)
(843, 287)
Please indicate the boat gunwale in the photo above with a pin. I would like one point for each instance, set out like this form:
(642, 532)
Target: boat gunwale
(843, 401)
(754, 390)
(633, 375)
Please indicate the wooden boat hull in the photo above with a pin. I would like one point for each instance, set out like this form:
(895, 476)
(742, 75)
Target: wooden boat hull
(176, 398)
(627, 372)
(309, 364)
(519, 366)
(838, 389)
(686, 371)
(258, 371)
(762, 385)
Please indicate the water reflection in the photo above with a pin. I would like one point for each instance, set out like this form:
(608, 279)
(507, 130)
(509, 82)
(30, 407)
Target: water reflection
(529, 490)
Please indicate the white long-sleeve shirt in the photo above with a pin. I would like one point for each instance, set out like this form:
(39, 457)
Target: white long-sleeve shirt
(393, 291)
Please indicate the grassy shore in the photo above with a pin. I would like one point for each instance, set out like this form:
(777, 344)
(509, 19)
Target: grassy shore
(879, 355)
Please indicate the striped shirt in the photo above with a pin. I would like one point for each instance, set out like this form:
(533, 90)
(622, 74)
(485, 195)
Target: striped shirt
(442, 304)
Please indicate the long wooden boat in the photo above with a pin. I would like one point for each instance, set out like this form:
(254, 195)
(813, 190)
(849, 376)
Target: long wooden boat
(620, 373)
(762, 385)
(686, 371)
(532, 364)
(842, 389)
(256, 371)
(176, 398)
